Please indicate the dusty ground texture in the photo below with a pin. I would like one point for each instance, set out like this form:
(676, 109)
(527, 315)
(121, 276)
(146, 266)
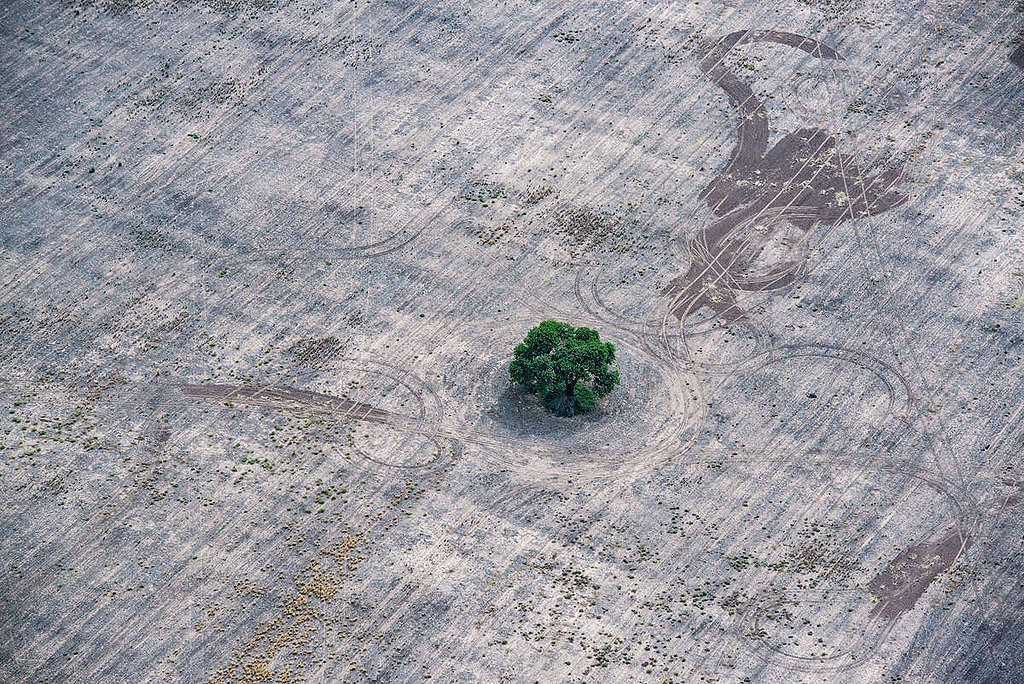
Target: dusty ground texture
(262, 264)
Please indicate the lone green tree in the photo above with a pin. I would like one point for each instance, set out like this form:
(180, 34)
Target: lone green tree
(566, 367)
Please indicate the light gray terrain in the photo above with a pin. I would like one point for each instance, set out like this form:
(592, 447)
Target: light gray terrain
(263, 263)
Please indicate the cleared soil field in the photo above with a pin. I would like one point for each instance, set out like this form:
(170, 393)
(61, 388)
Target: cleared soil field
(263, 265)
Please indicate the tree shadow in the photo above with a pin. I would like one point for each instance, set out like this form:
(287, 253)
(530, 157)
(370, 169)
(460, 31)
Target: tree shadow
(522, 414)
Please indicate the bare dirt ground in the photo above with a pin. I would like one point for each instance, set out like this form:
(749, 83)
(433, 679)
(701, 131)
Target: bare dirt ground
(262, 265)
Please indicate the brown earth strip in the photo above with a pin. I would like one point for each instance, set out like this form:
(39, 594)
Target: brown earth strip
(909, 575)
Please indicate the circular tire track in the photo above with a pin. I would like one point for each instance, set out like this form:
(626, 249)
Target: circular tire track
(665, 336)
(963, 517)
(596, 445)
(894, 385)
(429, 412)
(393, 243)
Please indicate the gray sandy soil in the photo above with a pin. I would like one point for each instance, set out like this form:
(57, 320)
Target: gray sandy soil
(263, 263)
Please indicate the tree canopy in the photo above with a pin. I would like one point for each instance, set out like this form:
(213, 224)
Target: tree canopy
(566, 367)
